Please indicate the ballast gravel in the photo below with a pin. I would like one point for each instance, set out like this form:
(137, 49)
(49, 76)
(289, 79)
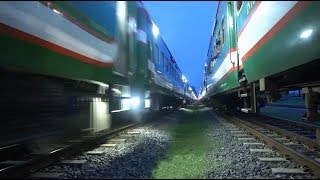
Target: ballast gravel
(234, 160)
(139, 155)
(133, 159)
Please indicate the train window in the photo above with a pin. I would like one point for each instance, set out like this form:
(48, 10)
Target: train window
(156, 54)
(164, 60)
(210, 67)
(167, 66)
(222, 32)
(220, 39)
(218, 42)
(239, 5)
(172, 72)
(161, 57)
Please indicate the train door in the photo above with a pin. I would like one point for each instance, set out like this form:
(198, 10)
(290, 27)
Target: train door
(231, 28)
(125, 25)
(248, 90)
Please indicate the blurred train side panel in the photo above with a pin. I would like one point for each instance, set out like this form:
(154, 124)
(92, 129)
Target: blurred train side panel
(68, 66)
(260, 50)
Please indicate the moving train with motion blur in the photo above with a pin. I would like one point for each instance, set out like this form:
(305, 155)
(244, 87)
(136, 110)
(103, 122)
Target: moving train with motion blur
(261, 49)
(78, 64)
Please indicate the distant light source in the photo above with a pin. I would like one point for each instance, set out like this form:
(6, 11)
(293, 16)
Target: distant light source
(190, 88)
(121, 9)
(132, 25)
(135, 102)
(306, 33)
(54, 10)
(155, 30)
(184, 78)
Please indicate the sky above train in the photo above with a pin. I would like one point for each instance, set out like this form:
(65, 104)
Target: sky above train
(186, 27)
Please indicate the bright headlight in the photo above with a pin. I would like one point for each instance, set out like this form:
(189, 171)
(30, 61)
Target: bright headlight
(135, 102)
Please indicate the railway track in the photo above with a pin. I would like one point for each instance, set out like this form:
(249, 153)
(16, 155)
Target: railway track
(113, 156)
(29, 163)
(302, 132)
(292, 145)
(17, 161)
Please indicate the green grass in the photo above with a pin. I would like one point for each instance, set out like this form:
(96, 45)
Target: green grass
(187, 155)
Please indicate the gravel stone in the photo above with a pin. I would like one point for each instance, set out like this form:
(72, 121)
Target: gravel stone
(239, 163)
(133, 159)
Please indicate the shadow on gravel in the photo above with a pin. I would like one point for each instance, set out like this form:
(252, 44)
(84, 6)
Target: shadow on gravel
(136, 164)
(139, 161)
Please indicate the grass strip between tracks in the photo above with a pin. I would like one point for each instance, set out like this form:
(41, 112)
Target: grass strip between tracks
(186, 157)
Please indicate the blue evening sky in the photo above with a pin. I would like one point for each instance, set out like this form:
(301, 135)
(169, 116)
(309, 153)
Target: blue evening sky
(186, 28)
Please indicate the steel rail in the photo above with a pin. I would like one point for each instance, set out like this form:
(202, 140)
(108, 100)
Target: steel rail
(297, 157)
(30, 166)
(294, 136)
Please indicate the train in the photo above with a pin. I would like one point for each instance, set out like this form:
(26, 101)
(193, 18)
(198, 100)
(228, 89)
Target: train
(79, 64)
(258, 51)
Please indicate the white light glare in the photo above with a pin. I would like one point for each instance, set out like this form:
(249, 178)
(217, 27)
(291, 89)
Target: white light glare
(306, 33)
(184, 78)
(132, 25)
(54, 10)
(230, 21)
(190, 88)
(121, 9)
(135, 101)
(155, 30)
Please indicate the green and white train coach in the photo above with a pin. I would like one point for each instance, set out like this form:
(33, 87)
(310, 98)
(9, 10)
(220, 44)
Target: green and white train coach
(65, 62)
(263, 48)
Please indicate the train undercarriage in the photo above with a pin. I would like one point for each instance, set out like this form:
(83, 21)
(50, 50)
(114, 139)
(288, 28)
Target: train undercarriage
(37, 105)
(250, 97)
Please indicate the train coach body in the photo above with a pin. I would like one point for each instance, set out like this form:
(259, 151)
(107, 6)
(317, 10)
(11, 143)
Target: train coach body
(91, 61)
(221, 72)
(262, 45)
(86, 41)
(58, 40)
(166, 73)
(277, 36)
